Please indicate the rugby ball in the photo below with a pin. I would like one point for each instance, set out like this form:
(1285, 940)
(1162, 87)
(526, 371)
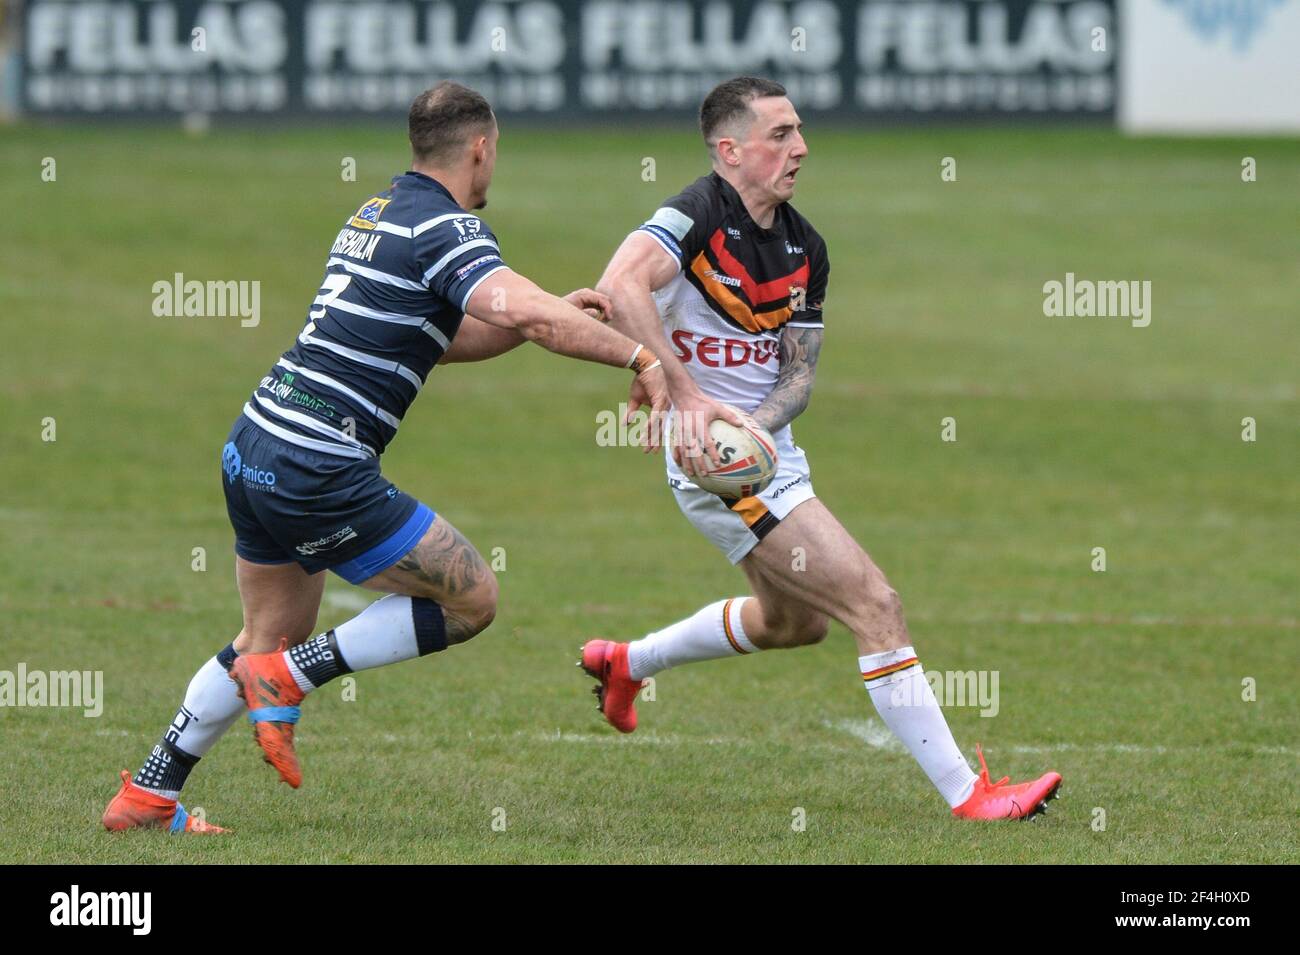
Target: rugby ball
(748, 460)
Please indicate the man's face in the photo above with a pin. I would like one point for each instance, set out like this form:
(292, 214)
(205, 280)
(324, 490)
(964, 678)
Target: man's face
(773, 148)
(484, 168)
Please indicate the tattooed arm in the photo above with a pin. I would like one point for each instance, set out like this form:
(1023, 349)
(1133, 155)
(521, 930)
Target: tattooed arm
(799, 350)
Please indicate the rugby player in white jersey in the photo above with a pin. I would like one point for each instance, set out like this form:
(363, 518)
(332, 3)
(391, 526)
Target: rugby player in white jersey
(726, 281)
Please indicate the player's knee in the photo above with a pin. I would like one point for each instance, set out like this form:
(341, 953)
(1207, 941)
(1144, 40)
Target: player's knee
(480, 608)
(486, 609)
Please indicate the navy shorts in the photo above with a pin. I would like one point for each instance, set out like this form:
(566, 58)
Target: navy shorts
(288, 503)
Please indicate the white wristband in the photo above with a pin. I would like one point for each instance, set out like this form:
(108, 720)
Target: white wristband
(631, 361)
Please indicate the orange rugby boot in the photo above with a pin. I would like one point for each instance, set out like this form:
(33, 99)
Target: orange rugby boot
(272, 695)
(136, 808)
(1007, 800)
(606, 661)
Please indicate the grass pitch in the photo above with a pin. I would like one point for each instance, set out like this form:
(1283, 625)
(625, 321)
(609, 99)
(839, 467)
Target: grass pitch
(1072, 434)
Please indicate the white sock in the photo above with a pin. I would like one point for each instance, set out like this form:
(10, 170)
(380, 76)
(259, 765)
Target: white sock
(713, 632)
(898, 688)
(211, 707)
(390, 630)
(381, 634)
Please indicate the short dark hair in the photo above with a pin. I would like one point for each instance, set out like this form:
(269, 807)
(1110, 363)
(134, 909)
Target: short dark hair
(443, 117)
(729, 101)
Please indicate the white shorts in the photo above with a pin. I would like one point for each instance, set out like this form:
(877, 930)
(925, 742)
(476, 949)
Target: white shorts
(737, 528)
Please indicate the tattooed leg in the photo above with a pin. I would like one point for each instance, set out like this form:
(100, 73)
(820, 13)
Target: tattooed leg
(445, 568)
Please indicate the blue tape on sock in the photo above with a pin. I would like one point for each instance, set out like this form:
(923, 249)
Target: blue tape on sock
(275, 714)
(179, 820)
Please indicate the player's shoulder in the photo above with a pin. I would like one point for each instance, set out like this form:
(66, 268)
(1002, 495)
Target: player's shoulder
(800, 224)
(422, 208)
(701, 197)
(800, 229)
(708, 186)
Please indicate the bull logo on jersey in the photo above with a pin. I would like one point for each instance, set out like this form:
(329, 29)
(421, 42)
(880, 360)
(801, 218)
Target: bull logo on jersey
(231, 462)
(367, 216)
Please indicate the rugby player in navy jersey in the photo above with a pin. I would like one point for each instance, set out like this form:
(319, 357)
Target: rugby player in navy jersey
(413, 278)
(727, 282)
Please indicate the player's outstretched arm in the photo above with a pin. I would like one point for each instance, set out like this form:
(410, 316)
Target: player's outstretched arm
(800, 348)
(478, 340)
(638, 268)
(513, 302)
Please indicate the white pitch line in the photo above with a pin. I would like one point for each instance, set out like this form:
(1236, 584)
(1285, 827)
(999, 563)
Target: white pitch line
(1265, 750)
(1084, 619)
(348, 600)
(646, 738)
(870, 732)
(877, 736)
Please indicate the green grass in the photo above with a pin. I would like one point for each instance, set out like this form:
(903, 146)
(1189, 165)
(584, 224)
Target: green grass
(1072, 434)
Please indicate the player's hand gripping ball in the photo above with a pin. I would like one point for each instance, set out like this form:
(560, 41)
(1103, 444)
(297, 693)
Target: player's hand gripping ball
(748, 459)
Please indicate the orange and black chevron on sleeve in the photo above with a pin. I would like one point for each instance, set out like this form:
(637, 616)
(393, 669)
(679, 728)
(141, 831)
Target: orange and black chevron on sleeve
(743, 291)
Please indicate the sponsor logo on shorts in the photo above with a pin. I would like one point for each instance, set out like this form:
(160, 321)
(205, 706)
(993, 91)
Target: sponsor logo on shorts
(230, 461)
(785, 487)
(258, 479)
(329, 542)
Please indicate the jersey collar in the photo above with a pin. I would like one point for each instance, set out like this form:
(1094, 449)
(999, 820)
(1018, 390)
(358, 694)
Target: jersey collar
(419, 180)
(732, 197)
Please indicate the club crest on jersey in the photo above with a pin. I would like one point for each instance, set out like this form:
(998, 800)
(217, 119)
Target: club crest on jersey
(797, 295)
(368, 215)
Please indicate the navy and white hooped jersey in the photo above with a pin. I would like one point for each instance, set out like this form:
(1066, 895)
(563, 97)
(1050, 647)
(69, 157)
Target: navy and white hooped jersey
(396, 283)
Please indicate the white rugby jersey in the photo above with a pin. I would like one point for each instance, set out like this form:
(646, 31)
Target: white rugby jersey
(738, 286)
